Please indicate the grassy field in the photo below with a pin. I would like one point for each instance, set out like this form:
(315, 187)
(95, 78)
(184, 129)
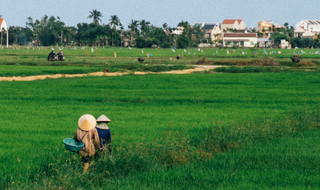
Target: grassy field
(22, 62)
(169, 131)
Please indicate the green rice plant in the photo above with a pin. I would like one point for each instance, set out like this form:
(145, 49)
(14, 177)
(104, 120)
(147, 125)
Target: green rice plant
(144, 109)
(61, 168)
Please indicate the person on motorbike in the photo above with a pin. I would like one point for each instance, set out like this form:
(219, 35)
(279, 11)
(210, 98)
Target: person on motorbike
(52, 52)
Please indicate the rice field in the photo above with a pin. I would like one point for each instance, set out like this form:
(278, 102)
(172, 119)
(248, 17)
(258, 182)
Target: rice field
(198, 131)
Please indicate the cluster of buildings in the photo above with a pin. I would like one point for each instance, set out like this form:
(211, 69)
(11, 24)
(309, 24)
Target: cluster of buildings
(224, 33)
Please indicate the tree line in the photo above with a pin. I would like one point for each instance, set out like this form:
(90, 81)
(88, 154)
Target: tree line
(49, 31)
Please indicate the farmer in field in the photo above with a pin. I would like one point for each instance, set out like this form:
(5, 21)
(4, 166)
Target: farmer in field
(104, 134)
(88, 135)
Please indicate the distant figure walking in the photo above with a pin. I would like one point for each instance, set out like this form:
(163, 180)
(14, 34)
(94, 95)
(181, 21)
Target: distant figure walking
(88, 135)
(104, 134)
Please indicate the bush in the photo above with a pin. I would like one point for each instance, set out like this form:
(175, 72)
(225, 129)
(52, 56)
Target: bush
(300, 64)
(246, 69)
(140, 42)
(183, 42)
(166, 45)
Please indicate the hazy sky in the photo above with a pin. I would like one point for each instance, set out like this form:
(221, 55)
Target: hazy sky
(158, 12)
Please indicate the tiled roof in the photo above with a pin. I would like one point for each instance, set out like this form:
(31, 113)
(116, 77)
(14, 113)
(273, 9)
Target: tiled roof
(1, 19)
(208, 26)
(313, 22)
(231, 21)
(246, 35)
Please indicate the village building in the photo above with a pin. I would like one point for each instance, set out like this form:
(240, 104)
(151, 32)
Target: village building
(4, 28)
(264, 41)
(178, 30)
(267, 25)
(285, 44)
(240, 39)
(211, 30)
(307, 28)
(236, 24)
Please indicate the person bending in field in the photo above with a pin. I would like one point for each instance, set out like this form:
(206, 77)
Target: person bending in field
(88, 135)
(104, 134)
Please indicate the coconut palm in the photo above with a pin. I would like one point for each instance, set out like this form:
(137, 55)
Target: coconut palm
(95, 15)
(133, 26)
(114, 21)
(143, 25)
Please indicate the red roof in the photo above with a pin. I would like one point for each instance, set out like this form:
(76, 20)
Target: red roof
(231, 21)
(247, 35)
(1, 19)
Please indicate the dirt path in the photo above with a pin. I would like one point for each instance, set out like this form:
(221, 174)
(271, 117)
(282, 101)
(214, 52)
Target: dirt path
(43, 77)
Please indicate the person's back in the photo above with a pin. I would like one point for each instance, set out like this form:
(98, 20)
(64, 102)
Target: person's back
(104, 133)
(88, 135)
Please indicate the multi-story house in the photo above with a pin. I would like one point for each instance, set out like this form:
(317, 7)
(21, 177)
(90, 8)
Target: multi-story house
(267, 25)
(307, 28)
(211, 30)
(240, 39)
(236, 24)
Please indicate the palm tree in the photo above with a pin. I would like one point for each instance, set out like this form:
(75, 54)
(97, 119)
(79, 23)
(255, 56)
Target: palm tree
(114, 22)
(143, 25)
(165, 29)
(133, 26)
(95, 15)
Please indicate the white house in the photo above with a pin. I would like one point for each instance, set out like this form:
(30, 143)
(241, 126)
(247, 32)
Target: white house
(240, 39)
(4, 28)
(211, 30)
(307, 28)
(284, 44)
(178, 30)
(264, 41)
(237, 24)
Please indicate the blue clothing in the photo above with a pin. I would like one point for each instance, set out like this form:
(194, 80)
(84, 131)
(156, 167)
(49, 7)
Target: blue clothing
(104, 136)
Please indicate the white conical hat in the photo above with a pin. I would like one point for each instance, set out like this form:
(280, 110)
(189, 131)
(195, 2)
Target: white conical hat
(87, 122)
(103, 118)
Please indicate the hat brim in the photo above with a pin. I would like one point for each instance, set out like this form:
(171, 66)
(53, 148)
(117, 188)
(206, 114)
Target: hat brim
(87, 122)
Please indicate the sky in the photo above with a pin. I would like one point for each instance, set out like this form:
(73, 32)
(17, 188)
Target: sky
(158, 12)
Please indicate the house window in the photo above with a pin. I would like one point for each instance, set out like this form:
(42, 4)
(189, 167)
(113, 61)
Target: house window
(251, 43)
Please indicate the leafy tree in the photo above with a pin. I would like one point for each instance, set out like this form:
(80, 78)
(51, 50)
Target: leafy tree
(19, 35)
(197, 33)
(276, 37)
(140, 42)
(182, 42)
(96, 16)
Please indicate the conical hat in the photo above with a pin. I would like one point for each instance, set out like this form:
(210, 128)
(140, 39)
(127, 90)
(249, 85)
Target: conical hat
(87, 122)
(103, 118)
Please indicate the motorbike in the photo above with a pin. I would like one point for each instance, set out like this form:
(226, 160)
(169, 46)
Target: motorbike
(58, 57)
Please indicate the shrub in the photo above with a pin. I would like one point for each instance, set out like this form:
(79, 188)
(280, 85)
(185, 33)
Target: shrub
(268, 61)
(300, 64)
(246, 69)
